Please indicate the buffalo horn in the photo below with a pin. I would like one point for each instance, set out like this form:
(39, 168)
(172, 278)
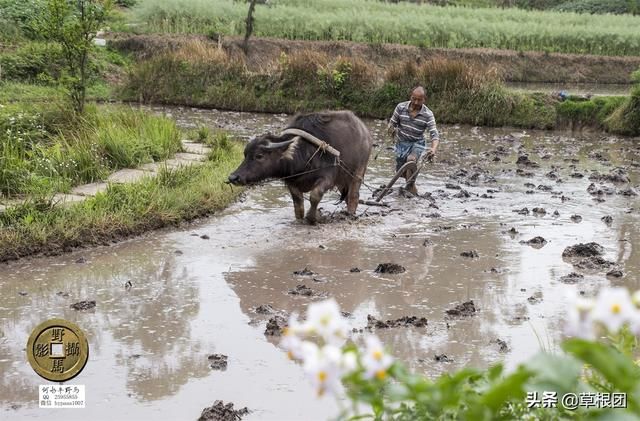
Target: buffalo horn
(279, 145)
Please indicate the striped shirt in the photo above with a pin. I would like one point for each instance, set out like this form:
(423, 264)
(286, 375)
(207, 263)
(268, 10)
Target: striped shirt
(412, 129)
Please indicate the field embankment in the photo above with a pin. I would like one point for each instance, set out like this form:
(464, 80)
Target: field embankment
(512, 66)
(198, 73)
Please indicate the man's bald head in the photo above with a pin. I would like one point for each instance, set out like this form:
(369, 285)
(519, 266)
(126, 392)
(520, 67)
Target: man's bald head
(418, 91)
(417, 98)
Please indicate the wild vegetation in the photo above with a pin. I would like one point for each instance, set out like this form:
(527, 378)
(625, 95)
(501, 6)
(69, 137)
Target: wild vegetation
(579, 6)
(50, 141)
(124, 209)
(405, 23)
(201, 75)
(545, 387)
(44, 150)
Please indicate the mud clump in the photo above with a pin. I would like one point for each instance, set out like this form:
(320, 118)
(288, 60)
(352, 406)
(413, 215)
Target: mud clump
(539, 211)
(218, 361)
(526, 162)
(221, 412)
(503, 347)
(576, 218)
(462, 194)
(304, 272)
(265, 309)
(537, 242)
(523, 211)
(301, 290)
(607, 219)
(535, 298)
(391, 268)
(513, 231)
(275, 326)
(354, 270)
(628, 192)
(616, 175)
(571, 278)
(405, 321)
(583, 250)
(523, 173)
(81, 260)
(594, 263)
(83, 305)
(472, 254)
(615, 273)
(465, 309)
(442, 358)
(204, 236)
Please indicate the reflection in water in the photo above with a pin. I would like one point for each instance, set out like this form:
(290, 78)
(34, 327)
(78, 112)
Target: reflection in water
(149, 345)
(145, 329)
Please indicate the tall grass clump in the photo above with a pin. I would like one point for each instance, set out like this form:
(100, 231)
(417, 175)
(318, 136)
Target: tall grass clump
(422, 25)
(43, 151)
(626, 118)
(183, 76)
(130, 138)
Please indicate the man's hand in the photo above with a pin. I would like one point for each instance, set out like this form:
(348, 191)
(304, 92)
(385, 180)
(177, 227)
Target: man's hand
(391, 130)
(431, 154)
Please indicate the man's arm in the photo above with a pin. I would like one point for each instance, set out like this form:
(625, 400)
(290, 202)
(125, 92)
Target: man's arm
(394, 121)
(433, 133)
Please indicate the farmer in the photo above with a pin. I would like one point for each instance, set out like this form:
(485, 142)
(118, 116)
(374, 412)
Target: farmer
(407, 126)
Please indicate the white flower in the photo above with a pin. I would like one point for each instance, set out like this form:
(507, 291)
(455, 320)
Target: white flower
(324, 318)
(322, 366)
(292, 344)
(613, 308)
(295, 327)
(375, 361)
(349, 362)
(635, 299)
(579, 320)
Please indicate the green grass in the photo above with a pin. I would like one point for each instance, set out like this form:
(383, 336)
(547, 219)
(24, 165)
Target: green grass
(123, 210)
(47, 149)
(423, 25)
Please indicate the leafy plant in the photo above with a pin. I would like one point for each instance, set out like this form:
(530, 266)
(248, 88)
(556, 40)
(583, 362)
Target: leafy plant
(74, 26)
(588, 368)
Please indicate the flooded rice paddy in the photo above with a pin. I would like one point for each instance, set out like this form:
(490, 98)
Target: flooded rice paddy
(194, 291)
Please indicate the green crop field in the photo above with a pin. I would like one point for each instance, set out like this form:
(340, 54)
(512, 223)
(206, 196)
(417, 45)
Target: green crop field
(373, 21)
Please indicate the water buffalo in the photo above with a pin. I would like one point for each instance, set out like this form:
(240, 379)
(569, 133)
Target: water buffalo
(306, 168)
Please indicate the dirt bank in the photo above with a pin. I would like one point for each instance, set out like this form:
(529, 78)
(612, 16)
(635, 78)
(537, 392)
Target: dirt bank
(513, 65)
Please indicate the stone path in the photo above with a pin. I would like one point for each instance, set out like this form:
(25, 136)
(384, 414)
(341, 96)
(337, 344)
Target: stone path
(195, 154)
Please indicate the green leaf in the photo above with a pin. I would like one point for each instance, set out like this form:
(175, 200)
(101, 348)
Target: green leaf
(617, 368)
(511, 387)
(559, 373)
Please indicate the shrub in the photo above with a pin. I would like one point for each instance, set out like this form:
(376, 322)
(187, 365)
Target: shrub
(33, 62)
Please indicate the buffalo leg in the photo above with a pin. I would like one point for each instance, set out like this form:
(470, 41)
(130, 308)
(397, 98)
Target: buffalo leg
(354, 193)
(298, 202)
(315, 196)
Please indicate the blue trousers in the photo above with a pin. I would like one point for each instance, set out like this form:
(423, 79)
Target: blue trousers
(404, 149)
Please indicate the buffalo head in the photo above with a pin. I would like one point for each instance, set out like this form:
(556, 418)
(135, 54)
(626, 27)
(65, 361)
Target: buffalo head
(263, 159)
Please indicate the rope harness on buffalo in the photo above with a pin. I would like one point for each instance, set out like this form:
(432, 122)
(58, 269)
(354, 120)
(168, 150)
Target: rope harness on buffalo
(322, 148)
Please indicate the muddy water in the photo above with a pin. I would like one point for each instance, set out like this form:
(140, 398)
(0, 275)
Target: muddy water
(193, 297)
